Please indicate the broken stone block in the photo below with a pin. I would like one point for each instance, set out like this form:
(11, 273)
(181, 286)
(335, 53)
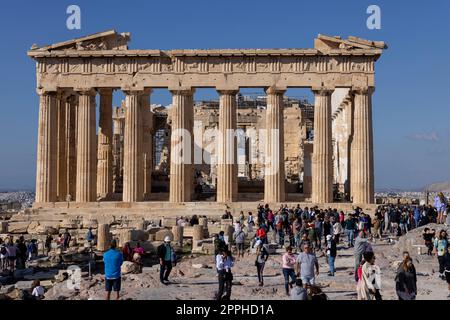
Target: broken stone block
(161, 234)
(129, 267)
(18, 227)
(24, 285)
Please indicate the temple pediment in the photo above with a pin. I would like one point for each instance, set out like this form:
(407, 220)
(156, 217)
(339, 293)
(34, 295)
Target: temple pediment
(326, 43)
(108, 40)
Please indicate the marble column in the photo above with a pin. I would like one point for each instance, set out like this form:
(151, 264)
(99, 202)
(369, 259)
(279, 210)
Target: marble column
(227, 148)
(322, 166)
(133, 169)
(362, 174)
(147, 143)
(61, 146)
(181, 151)
(274, 177)
(86, 147)
(71, 157)
(105, 136)
(46, 171)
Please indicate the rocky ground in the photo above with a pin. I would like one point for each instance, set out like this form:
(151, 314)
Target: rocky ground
(195, 278)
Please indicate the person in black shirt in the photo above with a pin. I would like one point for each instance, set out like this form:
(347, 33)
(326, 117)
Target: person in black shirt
(428, 237)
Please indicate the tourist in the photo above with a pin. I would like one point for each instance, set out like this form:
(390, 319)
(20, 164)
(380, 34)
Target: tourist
(261, 258)
(312, 234)
(428, 239)
(11, 253)
(406, 280)
(304, 241)
(319, 230)
(241, 218)
(224, 263)
(127, 252)
(113, 260)
(350, 227)
(298, 292)
(32, 250)
(67, 238)
(270, 220)
(227, 215)
(250, 222)
(279, 228)
(288, 264)
(441, 243)
(21, 253)
(194, 220)
(48, 243)
(3, 256)
(90, 237)
(447, 269)
(369, 282)
(376, 228)
(341, 218)
(165, 260)
(261, 234)
(239, 238)
(440, 203)
(362, 245)
(37, 291)
(331, 254)
(138, 252)
(296, 228)
(306, 263)
(337, 229)
(327, 229)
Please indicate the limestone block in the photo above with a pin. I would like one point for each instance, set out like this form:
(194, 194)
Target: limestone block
(70, 224)
(161, 234)
(177, 232)
(46, 229)
(18, 227)
(154, 230)
(169, 222)
(3, 227)
(90, 223)
(226, 222)
(103, 237)
(129, 267)
(188, 232)
(32, 227)
(197, 232)
(228, 231)
(208, 247)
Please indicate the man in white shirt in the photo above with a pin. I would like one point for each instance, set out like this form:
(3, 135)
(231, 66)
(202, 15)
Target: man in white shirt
(224, 263)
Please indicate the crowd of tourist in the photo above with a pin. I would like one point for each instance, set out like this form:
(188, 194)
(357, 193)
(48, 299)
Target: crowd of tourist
(303, 232)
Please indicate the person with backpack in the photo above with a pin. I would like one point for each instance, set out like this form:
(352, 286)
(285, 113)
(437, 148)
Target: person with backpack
(3, 256)
(262, 254)
(369, 279)
(406, 279)
(362, 245)
(239, 238)
(440, 244)
(165, 260)
(261, 234)
(224, 263)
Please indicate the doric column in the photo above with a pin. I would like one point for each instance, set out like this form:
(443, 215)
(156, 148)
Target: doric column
(274, 178)
(133, 169)
(147, 143)
(46, 169)
(119, 132)
(105, 136)
(362, 174)
(322, 166)
(86, 147)
(181, 142)
(71, 157)
(227, 148)
(61, 179)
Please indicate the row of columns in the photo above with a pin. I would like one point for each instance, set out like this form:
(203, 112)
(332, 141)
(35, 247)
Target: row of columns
(61, 144)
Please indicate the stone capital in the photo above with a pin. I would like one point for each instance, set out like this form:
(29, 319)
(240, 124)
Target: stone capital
(43, 91)
(363, 90)
(85, 91)
(323, 91)
(227, 91)
(182, 91)
(275, 90)
(105, 91)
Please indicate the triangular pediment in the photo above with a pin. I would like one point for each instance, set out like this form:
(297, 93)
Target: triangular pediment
(324, 42)
(108, 40)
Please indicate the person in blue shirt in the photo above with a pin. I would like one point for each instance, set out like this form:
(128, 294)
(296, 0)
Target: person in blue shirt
(113, 260)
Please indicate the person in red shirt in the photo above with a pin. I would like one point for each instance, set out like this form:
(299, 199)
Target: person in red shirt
(261, 234)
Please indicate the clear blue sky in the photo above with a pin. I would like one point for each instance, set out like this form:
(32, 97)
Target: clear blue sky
(410, 107)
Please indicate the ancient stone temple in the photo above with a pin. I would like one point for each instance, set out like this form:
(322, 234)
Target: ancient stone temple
(144, 156)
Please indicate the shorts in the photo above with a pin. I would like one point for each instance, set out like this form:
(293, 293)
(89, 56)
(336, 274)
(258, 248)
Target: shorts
(240, 246)
(309, 280)
(111, 284)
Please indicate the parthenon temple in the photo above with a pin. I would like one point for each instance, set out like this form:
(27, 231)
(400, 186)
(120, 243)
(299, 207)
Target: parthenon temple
(268, 148)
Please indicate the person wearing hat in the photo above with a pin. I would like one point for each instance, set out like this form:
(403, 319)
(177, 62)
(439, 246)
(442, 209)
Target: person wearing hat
(165, 252)
(331, 253)
(113, 260)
